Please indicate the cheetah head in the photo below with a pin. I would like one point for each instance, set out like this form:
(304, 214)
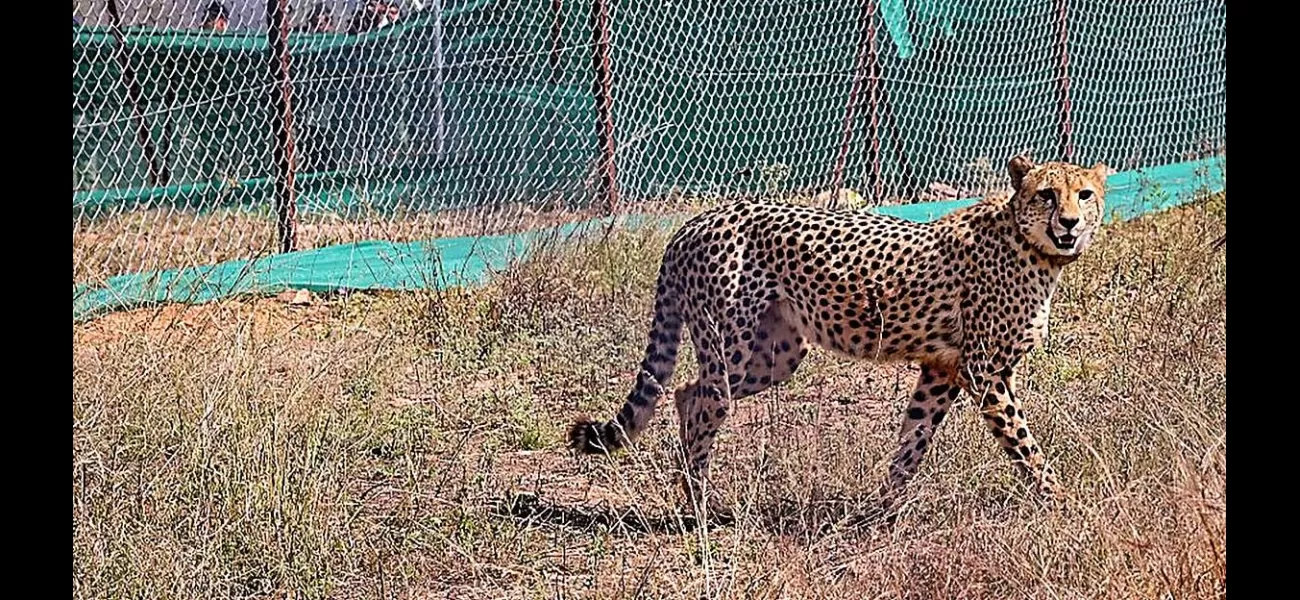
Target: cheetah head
(1058, 206)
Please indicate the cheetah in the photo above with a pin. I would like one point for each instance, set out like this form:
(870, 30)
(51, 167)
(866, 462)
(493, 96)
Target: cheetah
(965, 297)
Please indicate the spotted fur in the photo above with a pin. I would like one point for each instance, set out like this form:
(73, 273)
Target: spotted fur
(965, 297)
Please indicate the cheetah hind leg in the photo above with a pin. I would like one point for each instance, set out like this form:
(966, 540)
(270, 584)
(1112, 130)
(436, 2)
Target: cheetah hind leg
(703, 406)
(936, 389)
(775, 351)
(700, 495)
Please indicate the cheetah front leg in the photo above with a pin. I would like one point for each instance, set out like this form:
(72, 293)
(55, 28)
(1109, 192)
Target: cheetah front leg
(1006, 420)
(936, 389)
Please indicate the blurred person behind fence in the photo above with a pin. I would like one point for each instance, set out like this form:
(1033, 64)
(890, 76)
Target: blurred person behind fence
(374, 15)
(320, 19)
(216, 18)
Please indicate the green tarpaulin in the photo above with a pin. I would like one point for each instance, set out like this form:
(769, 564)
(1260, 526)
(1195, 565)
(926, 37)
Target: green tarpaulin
(379, 265)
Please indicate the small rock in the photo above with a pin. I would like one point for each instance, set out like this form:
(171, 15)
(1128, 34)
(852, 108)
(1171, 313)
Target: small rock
(295, 297)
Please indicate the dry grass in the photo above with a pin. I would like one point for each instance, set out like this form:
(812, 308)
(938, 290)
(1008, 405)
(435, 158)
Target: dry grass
(407, 445)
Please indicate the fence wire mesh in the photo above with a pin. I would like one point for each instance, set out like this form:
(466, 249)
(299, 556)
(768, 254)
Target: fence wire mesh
(415, 120)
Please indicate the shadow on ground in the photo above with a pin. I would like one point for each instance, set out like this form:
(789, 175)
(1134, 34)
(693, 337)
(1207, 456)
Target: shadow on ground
(804, 519)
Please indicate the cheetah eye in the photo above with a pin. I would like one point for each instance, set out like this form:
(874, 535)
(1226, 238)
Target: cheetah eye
(1085, 194)
(1048, 196)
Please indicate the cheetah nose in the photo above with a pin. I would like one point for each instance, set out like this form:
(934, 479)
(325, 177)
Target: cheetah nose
(1068, 223)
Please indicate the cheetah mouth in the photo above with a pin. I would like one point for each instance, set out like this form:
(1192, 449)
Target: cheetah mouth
(1062, 242)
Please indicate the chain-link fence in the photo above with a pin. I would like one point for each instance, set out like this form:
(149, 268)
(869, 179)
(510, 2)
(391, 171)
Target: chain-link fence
(207, 131)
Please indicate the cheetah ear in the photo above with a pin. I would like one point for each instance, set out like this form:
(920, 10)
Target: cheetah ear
(1102, 171)
(1019, 167)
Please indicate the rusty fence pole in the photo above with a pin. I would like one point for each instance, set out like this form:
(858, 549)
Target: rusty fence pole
(873, 98)
(158, 172)
(867, 59)
(1063, 82)
(600, 35)
(277, 21)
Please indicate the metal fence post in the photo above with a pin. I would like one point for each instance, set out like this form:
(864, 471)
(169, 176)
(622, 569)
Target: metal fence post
(1063, 81)
(158, 173)
(604, 101)
(866, 57)
(439, 78)
(277, 20)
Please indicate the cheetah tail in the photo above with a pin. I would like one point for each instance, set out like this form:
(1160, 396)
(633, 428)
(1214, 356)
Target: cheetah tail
(588, 436)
